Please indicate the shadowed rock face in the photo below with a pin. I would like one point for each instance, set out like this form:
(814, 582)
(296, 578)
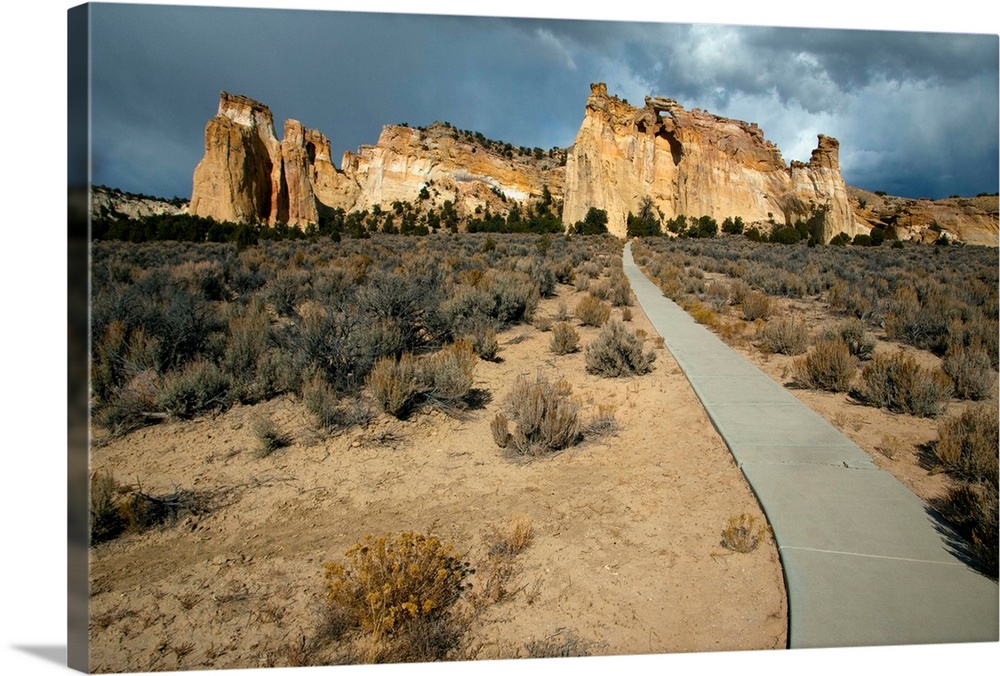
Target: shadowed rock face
(693, 163)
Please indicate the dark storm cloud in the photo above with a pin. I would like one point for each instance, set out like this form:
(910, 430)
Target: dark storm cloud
(916, 113)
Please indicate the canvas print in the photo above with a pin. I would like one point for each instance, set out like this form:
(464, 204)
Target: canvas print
(418, 338)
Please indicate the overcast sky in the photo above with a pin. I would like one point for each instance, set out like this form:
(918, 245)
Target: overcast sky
(916, 113)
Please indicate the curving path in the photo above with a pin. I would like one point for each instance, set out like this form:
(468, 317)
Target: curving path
(865, 563)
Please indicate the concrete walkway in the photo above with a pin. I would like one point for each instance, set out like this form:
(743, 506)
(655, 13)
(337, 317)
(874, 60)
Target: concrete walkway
(865, 563)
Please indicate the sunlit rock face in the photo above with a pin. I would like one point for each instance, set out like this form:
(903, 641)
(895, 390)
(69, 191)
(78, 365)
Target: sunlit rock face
(690, 163)
(693, 163)
(239, 178)
(246, 174)
(469, 173)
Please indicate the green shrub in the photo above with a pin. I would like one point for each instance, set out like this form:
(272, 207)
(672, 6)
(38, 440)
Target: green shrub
(592, 311)
(621, 293)
(565, 339)
(546, 418)
(967, 443)
(829, 366)
(617, 352)
(785, 335)
(197, 388)
(853, 333)
(971, 372)
(900, 384)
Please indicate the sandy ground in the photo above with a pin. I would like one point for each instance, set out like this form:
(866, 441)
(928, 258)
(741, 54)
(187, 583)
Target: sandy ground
(626, 556)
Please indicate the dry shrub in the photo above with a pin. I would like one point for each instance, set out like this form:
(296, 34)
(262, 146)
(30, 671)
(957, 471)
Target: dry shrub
(717, 295)
(199, 387)
(742, 533)
(395, 584)
(105, 520)
(738, 291)
(565, 339)
(970, 371)
(785, 335)
(830, 366)
(854, 335)
(604, 421)
(563, 643)
(393, 384)
(756, 305)
(617, 352)
(546, 418)
(446, 376)
(890, 446)
(900, 384)
(117, 508)
(971, 507)
(269, 436)
(500, 427)
(543, 324)
(515, 537)
(967, 443)
(484, 342)
(497, 572)
(592, 311)
(702, 314)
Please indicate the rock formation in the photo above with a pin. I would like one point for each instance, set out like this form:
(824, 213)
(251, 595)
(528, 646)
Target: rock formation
(248, 175)
(239, 177)
(692, 163)
(112, 204)
(971, 220)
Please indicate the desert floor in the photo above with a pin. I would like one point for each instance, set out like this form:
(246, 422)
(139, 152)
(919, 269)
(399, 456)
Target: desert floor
(626, 555)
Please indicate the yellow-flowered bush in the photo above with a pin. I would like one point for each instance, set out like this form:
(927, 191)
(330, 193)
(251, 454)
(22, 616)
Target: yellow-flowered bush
(390, 581)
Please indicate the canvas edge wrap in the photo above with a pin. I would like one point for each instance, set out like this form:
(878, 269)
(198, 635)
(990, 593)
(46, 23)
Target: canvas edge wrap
(78, 229)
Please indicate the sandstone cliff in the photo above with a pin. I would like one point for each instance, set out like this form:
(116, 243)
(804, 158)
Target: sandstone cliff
(971, 220)
(248, 175)
(692, 163)
(239, 178)
(469, 171)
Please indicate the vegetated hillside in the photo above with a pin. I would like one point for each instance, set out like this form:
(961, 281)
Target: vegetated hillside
(971, 220)
(114, 205)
